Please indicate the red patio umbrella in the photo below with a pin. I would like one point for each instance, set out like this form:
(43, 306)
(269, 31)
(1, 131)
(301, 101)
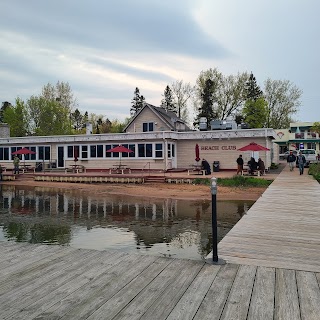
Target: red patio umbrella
(120, 149)
(253, 147)
(197, 153)
(23, 151)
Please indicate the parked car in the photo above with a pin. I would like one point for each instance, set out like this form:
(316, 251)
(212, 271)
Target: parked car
(310, 155)
(284, 156)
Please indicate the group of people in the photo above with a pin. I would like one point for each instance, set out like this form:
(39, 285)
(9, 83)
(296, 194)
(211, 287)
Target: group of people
(298, 160)
(253, 165)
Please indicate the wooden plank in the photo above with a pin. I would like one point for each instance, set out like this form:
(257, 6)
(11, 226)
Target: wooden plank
(286, 296)
(237, 305)
(82, 302)
(262, 300)
(309, 295)
(282, 235)
(146, 298)
(173, 293)
(189, 304)
(34, 300)
(218, 292)
(124, 296)
(53, 268)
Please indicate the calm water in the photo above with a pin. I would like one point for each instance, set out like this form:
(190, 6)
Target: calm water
(164, 227)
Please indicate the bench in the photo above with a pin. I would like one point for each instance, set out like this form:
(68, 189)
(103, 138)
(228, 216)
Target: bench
(118, 170)
(75, 169)
(197, 171)
(245, 172)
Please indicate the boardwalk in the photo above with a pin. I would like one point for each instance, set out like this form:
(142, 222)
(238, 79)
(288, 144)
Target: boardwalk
(282, 229)
(264, 282)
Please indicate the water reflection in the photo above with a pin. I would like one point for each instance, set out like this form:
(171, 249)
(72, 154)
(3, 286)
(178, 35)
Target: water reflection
(166, 227)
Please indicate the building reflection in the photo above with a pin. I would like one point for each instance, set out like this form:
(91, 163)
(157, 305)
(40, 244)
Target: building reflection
(48, 215)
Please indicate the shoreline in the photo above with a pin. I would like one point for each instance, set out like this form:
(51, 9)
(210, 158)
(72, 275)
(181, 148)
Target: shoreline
(151, 190)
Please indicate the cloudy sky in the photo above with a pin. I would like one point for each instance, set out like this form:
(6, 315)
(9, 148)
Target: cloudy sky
(104, 49)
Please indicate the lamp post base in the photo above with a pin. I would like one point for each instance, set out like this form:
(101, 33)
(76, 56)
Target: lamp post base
(220, 262)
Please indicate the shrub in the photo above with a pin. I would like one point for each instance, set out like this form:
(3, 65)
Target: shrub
(274, 166)
(314, 170)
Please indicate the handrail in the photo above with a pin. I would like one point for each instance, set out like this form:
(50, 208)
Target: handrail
(148, 163)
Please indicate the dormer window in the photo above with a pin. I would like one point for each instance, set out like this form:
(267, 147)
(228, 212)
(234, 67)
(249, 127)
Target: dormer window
(148, 126)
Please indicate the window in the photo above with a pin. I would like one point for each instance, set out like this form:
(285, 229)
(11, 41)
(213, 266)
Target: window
(111, 154)
(4, 153)
(159, 150)
(96, 151)
(147, 126)
(44, 153)
(31, 156)
(129, 154)
(169, 150)
(144, 150)
(84, 152)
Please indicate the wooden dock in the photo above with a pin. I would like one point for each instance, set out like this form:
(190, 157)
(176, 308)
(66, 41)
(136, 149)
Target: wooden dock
(282, 228)
(266, 280)
(52, 282)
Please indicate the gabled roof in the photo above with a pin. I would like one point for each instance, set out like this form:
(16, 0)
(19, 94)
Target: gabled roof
(168, 117)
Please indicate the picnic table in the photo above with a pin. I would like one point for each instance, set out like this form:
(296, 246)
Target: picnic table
(197, 169)
(76, 168)
(119, 168)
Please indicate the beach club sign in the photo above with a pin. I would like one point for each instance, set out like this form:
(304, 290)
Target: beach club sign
(224, 148)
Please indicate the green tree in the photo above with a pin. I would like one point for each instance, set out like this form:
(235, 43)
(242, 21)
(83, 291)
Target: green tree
(255, 112)
(77, 121)
(283, 99)
(167, 102)
(16, 117)
(137, 102)
(252, 90)
(4, 106)
(62, 93)
(48, 117)
(182, 93)
(207, 99)
(315, 127)
(230, 95)
(227, 92)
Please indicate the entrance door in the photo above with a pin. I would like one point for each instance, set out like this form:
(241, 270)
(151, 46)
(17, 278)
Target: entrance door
(60, 157)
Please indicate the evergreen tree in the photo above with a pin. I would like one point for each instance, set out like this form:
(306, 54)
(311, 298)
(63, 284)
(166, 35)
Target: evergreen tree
(4, 106)
(167, 102)
(77, 120)
(137, 102)
(252, 89)
(207, 100)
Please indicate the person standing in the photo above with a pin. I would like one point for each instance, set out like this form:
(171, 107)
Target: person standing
(261, 166)
(291, 159)
(16, 162)
(301, 160)
(240, 164)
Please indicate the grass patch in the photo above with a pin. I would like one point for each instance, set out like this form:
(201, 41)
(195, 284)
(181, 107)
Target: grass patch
(240, 181)
(236, 181)
(314, 170)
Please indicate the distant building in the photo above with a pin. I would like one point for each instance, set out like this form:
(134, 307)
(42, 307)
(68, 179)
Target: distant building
(158, 140)
(298, 136)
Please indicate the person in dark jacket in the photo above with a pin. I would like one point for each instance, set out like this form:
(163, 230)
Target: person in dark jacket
(291, 160)
(261, 166)
(240, 164)
(206, 166)
(301, 160)
(252, 164)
